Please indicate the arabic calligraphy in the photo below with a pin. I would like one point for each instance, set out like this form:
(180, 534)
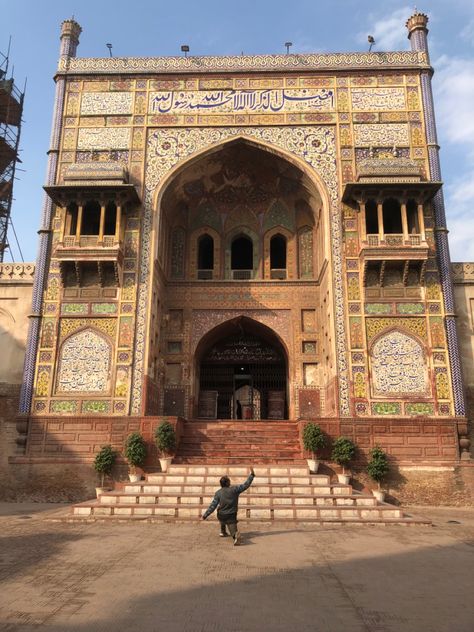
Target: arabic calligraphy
(398, 365)
(167, 102)
(84, 363)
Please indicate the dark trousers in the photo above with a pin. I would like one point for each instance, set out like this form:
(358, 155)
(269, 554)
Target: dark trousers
(229, 521)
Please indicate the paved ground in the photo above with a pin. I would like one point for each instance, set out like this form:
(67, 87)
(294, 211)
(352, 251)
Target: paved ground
(63, 577)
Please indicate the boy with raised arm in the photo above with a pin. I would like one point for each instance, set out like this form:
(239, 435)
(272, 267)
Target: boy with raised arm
(226, 500)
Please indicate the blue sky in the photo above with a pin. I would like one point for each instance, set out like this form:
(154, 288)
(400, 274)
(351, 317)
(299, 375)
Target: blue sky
(157, 27)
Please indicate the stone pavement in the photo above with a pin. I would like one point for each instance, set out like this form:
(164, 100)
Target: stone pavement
(63, 577)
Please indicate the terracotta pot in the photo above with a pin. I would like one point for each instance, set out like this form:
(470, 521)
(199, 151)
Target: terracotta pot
(134, 478)
(343, 479)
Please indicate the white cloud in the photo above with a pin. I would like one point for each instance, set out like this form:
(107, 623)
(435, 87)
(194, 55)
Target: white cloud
(454, 90)
(388, 31)
(467, 32)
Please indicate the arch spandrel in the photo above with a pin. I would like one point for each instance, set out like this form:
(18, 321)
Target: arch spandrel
(311, 149)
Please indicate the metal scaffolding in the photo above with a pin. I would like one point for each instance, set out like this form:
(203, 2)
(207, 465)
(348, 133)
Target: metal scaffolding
(11, 108)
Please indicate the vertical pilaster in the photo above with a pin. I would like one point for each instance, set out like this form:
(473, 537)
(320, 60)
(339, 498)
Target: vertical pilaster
(417, 34)
(70, 31)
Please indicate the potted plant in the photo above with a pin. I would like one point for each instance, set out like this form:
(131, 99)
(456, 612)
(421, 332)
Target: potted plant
(103, 464)
(165, 438)
(377, 469)
(343, 451)
(313, 440)
(135, 453)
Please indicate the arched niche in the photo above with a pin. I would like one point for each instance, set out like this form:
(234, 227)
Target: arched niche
(398, 365)
(279, 232)
(194, 244)
(242, 357)
(84, 364)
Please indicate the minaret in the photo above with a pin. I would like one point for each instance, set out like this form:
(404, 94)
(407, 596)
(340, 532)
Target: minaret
(417, 34)
(70, 31)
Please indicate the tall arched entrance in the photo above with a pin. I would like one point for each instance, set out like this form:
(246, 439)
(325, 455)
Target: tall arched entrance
(241, 372)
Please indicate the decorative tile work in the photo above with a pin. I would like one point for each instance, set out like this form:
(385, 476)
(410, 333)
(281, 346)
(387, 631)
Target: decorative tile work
(305, 254)
(419, 408)
(74, 308)
(42, 381)
(376, 99)
(437, 332)
(103, 138)
(386, 408)
(309, 347)
(104, 308)
(106, 325)
(211, 63)
(95, 407)
(62, 407)
(315, 146)
(360, 381)
(308, 320)
(355, 327)
(358, 358)
(378, 308)
(362, 409)
(242, 101)
(398, 365)
(445, 409)
(125, 331)
(178, 240)
(84, 363)
(416, 326)
(106, 103)
(442, 383)
(48, 333)
(353, 290)
(386, 134)
(410, 308)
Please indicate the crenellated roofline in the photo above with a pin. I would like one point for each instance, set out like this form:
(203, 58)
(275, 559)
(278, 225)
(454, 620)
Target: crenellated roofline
(313, 62)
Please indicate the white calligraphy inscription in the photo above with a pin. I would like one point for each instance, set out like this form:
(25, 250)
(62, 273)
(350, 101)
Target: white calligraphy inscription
(203, 101)
(84, 363)
(398, 365)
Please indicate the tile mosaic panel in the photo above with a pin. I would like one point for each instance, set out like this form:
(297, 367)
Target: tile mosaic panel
(106, 103)
(384, 134)
(103, 138)
(419, 408)
(243, 101)
(84, 363)
(398, 365)
(62, 407)
(386, 408)
(416, 326)
(377, 99)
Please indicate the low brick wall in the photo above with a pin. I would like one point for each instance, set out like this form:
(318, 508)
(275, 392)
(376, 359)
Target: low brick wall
(77, 439)
(421, 440)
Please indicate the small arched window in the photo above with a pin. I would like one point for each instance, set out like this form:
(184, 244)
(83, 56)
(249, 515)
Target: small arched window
(278, 257)
(205, 262)
(242, 257)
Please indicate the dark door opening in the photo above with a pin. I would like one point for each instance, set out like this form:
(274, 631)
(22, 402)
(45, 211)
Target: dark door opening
(245, 377)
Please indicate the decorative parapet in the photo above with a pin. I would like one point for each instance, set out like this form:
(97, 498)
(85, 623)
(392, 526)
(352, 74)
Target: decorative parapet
(463, 273)
(249, 63)
(17, 272)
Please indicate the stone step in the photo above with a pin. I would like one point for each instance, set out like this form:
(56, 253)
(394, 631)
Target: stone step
(380, 513)
(212, 479)
(267, 490)
(235, 460)
(188, 498)
(219, 469)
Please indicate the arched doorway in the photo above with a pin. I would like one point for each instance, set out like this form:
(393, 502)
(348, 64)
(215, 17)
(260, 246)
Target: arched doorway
(242, 372)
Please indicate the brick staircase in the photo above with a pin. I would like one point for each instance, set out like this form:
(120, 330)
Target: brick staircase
(279, 492)
(235, 442)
